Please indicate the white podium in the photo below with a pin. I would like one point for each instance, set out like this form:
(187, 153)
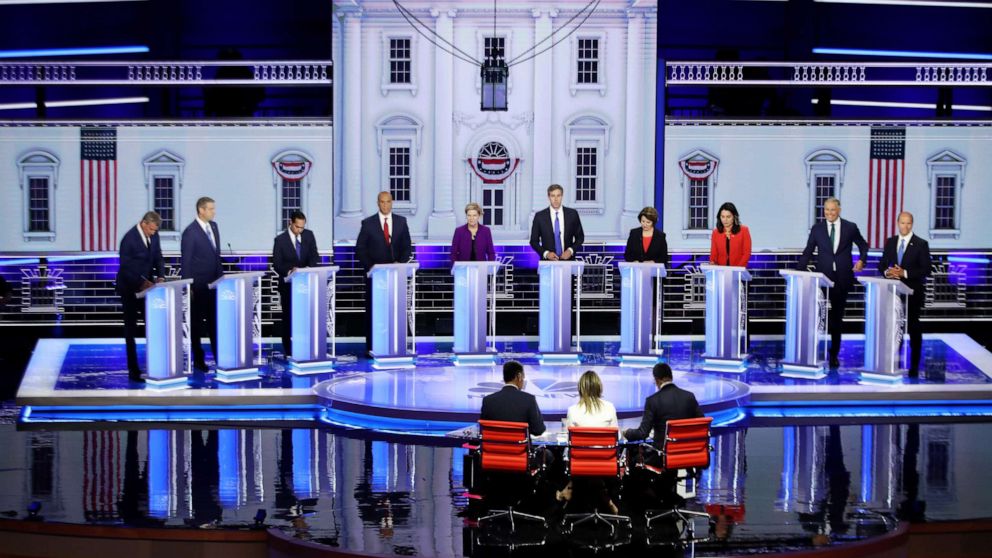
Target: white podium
(313, 299)
(640, 312)
(555, 311)
(167, 341)
(885, 324)
(726, 318)
(471, 317)
(805, 323)
(389, 314)
(239, 326)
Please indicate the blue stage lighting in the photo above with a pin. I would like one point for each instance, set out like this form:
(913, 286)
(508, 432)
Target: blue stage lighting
(963, 259)
(34, 508)
(902, 53)
(80, 51)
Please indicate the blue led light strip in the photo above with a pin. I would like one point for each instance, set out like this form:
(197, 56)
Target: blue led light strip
(80, 51)
(902, 53)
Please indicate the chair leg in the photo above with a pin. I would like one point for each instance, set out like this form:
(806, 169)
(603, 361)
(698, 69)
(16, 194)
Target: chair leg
(609, 520)
(512, 514)
(680, 514)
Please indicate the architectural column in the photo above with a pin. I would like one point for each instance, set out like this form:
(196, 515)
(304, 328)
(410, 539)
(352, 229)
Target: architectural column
(350, 120)
(636, 146)
(543, 105)
(442, 218)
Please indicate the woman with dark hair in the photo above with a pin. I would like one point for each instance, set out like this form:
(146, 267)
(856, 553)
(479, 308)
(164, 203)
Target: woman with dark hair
(646, 243)
(731, 241)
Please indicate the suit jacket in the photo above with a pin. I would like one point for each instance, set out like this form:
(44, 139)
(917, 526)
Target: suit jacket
(461, 244)
(668, 403)
(200, 260)
(371, 248)
(542, 231)
(284, 254)
(512, 404)
(138, 262)
(740, 247)
(819, 239)
(915, 261)
(657, 250)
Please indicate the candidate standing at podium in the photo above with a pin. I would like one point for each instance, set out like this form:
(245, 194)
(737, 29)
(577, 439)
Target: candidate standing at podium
(473, 241)
(646, 243)
(201, 262)
(294, 247)
(141, 266)
(383, 239)
(907, 258)
(834, 240)
(556, 233)
(730, 243)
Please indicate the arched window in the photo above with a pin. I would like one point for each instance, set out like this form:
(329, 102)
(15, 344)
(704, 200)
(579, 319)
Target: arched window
(698, 179)
(945, 177)
(398, 145)
(291, 181)
(163, 181)
(38, 174)
(824, 179)
(587, 140)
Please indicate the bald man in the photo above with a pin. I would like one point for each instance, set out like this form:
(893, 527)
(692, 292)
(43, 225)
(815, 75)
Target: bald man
(907, 258)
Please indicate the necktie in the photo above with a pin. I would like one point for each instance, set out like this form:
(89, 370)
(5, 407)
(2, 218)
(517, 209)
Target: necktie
(385, 230)
(558, 248)
(147, 242)
(902, 249)
(833, 235)
(210, 235)
(298, 248)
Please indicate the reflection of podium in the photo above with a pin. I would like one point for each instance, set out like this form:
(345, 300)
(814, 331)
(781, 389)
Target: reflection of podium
(313, 318)
(167, 334)
(389, 314)
(885, 323)
(470, 311)
(726, 318)
(640, 311)
(239, 325)
(805, 323)
(556, 311)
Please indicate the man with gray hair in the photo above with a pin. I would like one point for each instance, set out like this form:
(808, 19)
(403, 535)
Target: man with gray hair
(907, 258)
(140, 266)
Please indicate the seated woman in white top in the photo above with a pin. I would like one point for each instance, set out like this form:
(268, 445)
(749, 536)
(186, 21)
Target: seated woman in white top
(591, 410)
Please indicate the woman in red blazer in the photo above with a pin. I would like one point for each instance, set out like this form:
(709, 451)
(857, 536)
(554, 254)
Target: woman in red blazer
(731, 241)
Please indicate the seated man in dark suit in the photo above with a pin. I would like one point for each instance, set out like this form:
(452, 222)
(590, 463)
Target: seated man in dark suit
(512, 403)
(907, 257)
(201, 262)
(556, 233)
(140, 267)
(294, 247)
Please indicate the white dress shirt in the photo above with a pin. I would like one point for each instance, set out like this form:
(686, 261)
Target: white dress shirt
(208, 230)
(561, 227)
(905, 247)
(836, 233)
(382, 224)
(147, 241)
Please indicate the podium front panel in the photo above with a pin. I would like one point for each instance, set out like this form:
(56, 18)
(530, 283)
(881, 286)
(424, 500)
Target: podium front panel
(470, 305)
(164, 353)
(309, 327)
(637, 282)
(555, 307)
(389, 309)
(234, 315)
(885, 316)
(726, 312)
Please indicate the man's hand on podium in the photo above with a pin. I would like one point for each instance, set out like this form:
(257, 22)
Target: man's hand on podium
(567, 254)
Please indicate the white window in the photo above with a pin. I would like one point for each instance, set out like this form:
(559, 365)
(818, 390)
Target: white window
(824, 178)
(587, 141)
(945, 177)
(493, 45)
(399, 64)
(588, 70)
(291, 184)
(698, 177)
(163, 180)
(398, 143)
(38, 173)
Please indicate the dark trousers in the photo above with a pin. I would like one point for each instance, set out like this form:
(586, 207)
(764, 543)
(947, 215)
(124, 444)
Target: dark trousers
(203, 312)
(835, 323)
(915, 330)
(287, 318)
(132, 308)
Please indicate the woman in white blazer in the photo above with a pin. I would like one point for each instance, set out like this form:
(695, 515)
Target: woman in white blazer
(591, 409)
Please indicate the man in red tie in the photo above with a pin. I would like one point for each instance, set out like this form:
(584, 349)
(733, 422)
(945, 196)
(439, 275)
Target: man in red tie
(383, 238)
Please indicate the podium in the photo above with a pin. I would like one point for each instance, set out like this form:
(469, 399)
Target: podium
(640, 312)
(389, 314)
(726, 318)
(471, 318)
(805, 323)
(555, 311)
(239, 326)
(167, 343)
(885, 323)
(313, 302)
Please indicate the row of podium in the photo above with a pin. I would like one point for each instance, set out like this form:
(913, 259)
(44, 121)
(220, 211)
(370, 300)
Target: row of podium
(393, 317)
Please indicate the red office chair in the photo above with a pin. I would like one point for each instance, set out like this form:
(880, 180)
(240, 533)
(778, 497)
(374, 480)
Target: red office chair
(686, 447)
(593, 452)
(505, 448)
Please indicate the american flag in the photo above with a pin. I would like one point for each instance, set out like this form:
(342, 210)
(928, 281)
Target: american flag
(98, 189)
(103, 468)
(886, 182)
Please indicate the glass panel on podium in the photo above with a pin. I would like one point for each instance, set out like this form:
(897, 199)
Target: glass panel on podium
(555, 311)
(885, 324)
(313, 301)
(167, 341)
(471, 318)
(726, 318)
(390, 348)
(640, 312)
(239, 326)
(805, 323)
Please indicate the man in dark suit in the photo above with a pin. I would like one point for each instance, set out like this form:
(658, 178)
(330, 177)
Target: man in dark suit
(670, 402)
(834, 239)
(907, 257)
(140, 267)
(512, 403)
(383, 239)
(294, 247)
(201, 262)
(556, 233)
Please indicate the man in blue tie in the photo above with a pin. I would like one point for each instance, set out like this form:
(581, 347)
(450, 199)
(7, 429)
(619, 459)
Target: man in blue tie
(907, 258)
(294, 247)
(201, 262)
(556, 233)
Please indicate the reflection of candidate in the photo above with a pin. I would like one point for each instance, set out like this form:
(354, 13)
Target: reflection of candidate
(293, 248)
(472, 241)
(140, 266)
(201, 262)
(556, 233)
(834, 240)
(730, 243)
(907, 257)
(646, 243)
